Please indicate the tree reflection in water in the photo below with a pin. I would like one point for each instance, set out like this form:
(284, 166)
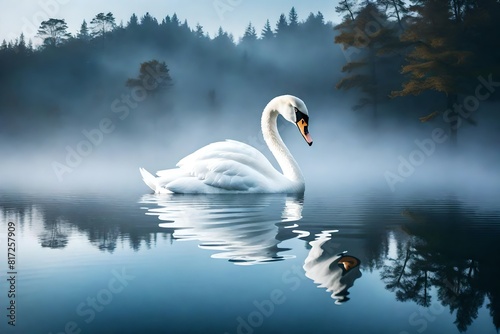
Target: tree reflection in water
(450, 249)
(444, 250)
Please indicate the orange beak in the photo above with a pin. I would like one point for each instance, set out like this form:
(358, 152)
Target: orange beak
(348, 262)
(302, 125)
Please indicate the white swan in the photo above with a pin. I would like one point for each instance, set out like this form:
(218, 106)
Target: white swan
(234, 167)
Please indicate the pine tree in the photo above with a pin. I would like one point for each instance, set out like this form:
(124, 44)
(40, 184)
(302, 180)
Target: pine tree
(221, 32)
(267, 31)
(21, 45)
(223, 39)
(102, 23)
(175, 20)
(394, 8)
(314, 22)
(53, 32)
(83, 34)
(30, 46)
(362, 71)
(281, 25)
(481, 25)
(199, 33)
(293, 18)
(166, 21)
(133, 22)
(250, 35)
(346, 8)
(320, 17)
(437, 61)
(148, 22)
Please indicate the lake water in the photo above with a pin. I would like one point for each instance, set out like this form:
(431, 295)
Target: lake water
(360, 262)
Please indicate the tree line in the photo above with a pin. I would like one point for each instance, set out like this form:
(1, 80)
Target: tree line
(439, 48)
(71, 76)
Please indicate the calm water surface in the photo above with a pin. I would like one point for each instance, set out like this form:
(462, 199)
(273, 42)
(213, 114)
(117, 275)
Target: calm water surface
(322, 263)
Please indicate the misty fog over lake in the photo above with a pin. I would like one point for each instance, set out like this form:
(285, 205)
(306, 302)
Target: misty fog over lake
(397, 230)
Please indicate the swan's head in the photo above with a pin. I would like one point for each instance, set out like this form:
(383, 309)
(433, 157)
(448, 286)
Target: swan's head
(295, 111)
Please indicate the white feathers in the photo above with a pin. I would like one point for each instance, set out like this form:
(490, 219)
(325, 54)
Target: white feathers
(231, 166)
(216, 168)
(148, 178)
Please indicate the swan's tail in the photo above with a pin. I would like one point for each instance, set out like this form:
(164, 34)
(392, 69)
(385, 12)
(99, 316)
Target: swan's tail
(149, 179)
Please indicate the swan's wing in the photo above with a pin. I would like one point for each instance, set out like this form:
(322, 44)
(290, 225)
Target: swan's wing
(229, 165)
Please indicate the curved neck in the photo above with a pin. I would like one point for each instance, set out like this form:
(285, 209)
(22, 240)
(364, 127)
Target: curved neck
(273, 140)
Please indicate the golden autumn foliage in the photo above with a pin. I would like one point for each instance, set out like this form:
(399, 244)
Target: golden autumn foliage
(437, 60)
(372, 36)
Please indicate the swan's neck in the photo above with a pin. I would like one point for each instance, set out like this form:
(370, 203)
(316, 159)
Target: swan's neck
(273, 140)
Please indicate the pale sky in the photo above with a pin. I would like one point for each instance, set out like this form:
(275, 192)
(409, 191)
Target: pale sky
(233, 15)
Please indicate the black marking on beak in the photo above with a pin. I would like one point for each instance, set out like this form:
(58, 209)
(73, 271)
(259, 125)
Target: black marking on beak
(302, 121)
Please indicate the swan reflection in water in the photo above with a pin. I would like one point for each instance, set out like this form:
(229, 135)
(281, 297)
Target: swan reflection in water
(248, 230)
(329, 269)
(243, 229)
